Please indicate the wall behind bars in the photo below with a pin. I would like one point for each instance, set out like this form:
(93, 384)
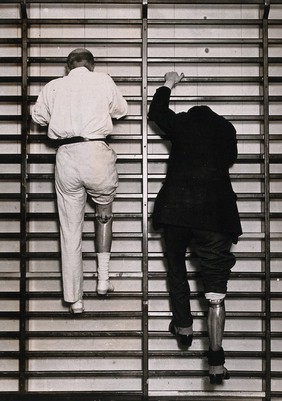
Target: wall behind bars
(122, 342)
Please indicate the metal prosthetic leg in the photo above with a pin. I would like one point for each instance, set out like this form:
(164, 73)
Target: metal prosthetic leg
(103, 229)
(216, 322)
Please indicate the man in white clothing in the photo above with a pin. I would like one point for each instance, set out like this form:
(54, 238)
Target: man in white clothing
(78, 110)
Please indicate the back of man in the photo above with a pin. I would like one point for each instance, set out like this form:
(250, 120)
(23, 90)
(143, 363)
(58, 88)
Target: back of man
(81, 104)
(196, 207)
(197, 191)
(78, 110)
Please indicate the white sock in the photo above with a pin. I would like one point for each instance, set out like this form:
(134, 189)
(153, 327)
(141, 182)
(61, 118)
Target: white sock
(103, 265)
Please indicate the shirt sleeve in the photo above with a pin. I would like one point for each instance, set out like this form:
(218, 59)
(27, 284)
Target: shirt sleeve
(118, 105)
(159, 110)
(41, 112)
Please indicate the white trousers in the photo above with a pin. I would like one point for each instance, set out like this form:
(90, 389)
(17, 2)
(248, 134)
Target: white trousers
(81, 168)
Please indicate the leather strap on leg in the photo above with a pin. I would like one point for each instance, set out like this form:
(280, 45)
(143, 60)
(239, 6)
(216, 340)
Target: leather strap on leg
(216, 358)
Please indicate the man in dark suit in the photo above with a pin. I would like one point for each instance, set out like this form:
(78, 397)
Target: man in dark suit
(196, 207)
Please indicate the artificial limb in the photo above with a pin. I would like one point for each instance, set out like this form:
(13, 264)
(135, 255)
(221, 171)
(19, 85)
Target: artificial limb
(216, 322)
(103, 229)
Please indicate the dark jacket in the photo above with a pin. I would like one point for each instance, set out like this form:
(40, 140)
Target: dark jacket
(197, 191)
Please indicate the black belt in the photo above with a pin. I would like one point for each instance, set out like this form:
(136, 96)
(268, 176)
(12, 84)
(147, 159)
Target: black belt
(75, 139)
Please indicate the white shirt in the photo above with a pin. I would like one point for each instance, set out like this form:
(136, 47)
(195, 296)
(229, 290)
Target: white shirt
(81, 104)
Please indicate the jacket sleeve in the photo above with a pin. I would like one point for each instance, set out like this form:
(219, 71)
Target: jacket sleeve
(159, 110)
(228, 141)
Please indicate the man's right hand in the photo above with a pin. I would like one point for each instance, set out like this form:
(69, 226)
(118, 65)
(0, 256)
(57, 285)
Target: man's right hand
(172, 78)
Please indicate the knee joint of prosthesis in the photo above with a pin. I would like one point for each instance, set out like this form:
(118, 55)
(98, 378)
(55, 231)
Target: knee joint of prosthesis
(104, 218)
(215, 299)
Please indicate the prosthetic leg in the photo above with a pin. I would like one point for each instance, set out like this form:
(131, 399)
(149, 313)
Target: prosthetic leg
(216, 321)
(103, 229)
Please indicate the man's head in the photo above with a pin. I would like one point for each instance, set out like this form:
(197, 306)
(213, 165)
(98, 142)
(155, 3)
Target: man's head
(80, 58)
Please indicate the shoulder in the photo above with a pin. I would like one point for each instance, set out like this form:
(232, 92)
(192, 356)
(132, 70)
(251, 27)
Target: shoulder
(103, 80)
(54, 83)
(102, 76)
(220, 121)
(202, 110)
(205, 112)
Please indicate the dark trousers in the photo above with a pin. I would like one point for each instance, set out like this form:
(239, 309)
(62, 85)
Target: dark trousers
(216, 260)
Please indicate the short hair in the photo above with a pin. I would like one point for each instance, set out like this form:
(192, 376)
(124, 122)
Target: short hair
(80, 58)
